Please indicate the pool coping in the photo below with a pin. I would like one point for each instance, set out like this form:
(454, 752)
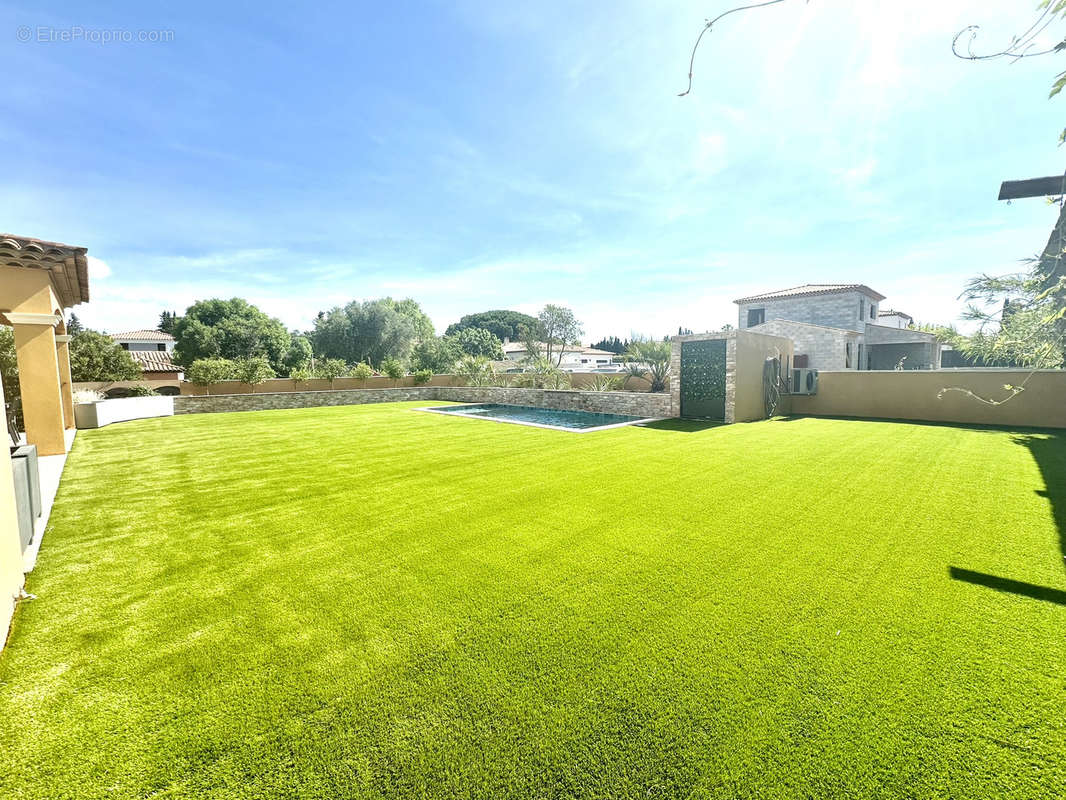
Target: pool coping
(441, 410)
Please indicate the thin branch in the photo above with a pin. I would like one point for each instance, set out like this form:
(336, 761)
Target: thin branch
(1019, 47)
(707, 27)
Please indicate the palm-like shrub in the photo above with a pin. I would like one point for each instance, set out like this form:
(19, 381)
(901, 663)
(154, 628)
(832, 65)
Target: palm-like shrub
(605, 383)
(652, 358)
(541, 373)
(476, 371)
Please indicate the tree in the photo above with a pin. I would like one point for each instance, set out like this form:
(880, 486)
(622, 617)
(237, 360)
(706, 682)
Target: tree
(208, 371)
(408, 308)
(331, 369)
(9, 371)
(299, 353)
(612, 345)
(372, 331)
(362, 371)
(654, 357)
(477, 342)
(561, 328)
(97, 357)
(166, 322)
(500, 323)
(229, 329)
(74, 326)
(393, 369)
(253, 371)
(301, 375)
(438, 355)
(531, 343)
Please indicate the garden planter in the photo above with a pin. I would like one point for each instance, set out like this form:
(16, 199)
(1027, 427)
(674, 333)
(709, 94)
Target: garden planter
(104, 412)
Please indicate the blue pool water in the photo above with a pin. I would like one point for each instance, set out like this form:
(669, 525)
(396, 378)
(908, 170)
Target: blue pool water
(530, 415)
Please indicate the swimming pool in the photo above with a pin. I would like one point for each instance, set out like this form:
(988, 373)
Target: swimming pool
(575, 421)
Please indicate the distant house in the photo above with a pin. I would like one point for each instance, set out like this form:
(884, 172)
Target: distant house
(575, 357)
(894, 319)
(837, 326)
(151, 349)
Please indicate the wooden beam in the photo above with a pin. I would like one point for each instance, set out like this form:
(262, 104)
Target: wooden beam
(1033, 187)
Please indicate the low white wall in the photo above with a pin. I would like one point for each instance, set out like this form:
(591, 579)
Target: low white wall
(104, 412)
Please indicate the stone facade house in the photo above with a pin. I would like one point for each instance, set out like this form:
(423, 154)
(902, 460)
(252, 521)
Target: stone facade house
(837, 326)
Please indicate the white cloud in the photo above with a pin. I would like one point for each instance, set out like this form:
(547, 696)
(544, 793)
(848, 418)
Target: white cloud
(98, 268)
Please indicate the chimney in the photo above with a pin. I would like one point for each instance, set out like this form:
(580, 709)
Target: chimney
(506, 339)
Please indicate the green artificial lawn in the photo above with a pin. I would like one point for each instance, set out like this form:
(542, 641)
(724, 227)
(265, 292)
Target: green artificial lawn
(376, 602)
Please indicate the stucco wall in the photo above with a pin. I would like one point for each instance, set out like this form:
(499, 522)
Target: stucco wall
(642, 404)
(752, 350)
(913, 395)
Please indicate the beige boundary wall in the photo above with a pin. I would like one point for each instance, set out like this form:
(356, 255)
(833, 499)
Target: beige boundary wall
(578, 380)
(641, 404)
(912, 394)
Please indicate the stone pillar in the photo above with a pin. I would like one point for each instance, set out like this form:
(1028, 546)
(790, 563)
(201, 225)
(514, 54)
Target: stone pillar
(42, 396)
(63, 360)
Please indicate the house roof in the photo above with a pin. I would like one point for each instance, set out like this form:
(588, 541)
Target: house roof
(811, 289)
(519, 347)
(68, 265)
(891, 313)
(154, 361)
(142, 336)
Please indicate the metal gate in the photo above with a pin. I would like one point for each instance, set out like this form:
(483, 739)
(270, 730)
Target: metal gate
(703, 379)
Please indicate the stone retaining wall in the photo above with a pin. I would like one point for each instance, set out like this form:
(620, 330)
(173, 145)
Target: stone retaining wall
(637, 404)
(640, 404)
(206, 404)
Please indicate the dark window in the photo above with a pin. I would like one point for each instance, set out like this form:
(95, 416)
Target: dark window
(161, 347)
(847, 355)
(862, 308)
(125, 346)
(756, 316)
(873, 312)
(860, 364)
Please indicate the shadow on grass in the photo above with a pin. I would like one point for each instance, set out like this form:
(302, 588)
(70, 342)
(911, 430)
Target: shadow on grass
(1049, 453)
(929, 423)
(681, 425)
(1023, 588)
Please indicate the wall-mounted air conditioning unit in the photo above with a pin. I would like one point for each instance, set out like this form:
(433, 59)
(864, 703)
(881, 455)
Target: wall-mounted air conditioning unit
(804, 381)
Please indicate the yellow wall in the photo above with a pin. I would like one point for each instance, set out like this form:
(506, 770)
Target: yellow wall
(752, 350)
(28, 291)
(11, 577)
(913, 395)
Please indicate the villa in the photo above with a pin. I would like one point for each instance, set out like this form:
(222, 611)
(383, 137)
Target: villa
(151, 349)
(837, 326)
(575, 358)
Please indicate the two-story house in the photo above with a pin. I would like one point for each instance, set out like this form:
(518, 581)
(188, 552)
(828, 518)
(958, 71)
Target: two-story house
(836, 326)
(151, 349)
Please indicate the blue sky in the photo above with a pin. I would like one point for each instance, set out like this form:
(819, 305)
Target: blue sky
(481, 155)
